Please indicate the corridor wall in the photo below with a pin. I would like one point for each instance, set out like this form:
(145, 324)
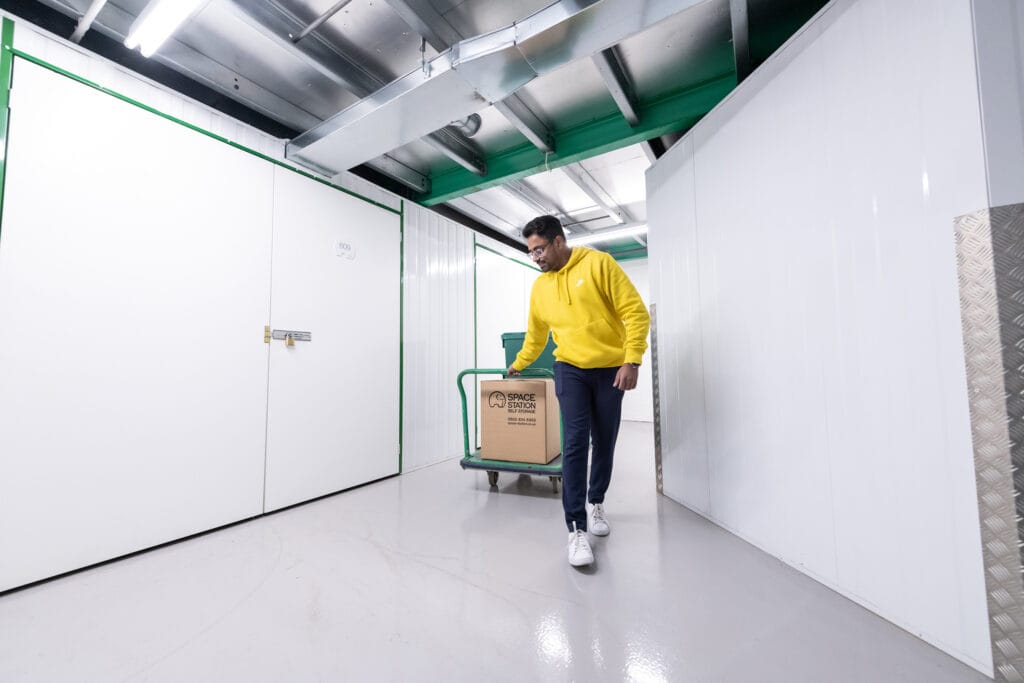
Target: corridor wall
(504, 279)
(638, 405)
(135, 284)
(813, 391)
(438, 326)
(439, 336)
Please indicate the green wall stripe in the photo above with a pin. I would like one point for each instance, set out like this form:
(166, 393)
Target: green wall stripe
(6, 67)
(124, 98)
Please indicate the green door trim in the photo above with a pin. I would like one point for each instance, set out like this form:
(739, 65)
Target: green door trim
(6, 69)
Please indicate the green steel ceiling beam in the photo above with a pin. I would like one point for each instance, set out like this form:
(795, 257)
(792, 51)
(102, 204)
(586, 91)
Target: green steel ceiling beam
(674, 112)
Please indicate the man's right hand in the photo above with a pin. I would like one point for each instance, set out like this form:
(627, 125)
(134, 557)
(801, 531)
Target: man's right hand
(512, 370)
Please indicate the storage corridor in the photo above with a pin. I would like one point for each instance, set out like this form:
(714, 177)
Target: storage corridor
(432, 576)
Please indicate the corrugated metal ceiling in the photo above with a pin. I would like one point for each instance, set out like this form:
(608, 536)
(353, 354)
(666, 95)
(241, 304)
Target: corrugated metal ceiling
(670, 73)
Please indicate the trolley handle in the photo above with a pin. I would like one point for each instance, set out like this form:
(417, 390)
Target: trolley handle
(527, 373)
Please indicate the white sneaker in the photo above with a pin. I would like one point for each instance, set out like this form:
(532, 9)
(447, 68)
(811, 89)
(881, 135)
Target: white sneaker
(598, 524)
(580, 553)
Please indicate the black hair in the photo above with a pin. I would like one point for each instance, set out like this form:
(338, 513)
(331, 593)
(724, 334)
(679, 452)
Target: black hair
(544, 226)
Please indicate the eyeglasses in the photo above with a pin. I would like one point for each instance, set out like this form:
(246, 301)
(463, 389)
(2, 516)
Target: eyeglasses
(536, 252)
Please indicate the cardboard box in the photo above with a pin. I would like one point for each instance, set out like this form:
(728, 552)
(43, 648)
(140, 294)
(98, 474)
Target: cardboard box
(519, 420)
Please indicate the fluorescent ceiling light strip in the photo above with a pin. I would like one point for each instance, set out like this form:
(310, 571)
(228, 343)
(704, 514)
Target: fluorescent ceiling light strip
(157, 22)
(608, 235)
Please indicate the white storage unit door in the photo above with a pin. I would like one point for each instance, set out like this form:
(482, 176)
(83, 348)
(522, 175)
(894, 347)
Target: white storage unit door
(334, 400)
(134, 273)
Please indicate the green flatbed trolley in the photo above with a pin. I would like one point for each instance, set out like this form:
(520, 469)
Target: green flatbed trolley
(472, 459)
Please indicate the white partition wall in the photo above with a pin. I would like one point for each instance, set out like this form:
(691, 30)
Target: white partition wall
(638, 405)
(438, 336)
(813, 391)
(134, 274)
(503, 285)
(333, 413)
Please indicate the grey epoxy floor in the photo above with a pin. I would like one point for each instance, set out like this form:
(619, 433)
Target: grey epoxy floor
(432, 576)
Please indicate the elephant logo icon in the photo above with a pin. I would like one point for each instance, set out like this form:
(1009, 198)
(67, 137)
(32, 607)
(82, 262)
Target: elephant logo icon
(496, 400)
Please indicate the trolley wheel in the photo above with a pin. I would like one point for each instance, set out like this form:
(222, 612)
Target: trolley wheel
(554, 483)
(492, 478)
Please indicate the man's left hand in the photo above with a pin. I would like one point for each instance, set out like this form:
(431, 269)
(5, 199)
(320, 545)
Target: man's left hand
(625, 378)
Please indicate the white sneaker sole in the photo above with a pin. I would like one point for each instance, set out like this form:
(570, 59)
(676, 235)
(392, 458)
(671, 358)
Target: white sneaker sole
(601, 532)
(581, 562)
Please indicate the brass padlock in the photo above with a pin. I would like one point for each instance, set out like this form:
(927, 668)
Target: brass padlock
(289, 340)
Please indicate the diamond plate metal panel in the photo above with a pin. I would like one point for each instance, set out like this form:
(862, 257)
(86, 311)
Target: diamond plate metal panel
(657, 399)
(990, 256)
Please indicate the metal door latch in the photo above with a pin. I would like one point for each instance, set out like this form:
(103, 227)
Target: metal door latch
(289, 337)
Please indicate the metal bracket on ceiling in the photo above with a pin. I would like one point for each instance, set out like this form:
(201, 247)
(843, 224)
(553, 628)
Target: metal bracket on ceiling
(315, 24)
(85, 23)
(527, 122)
(535, 200)
(422, 18)
(458, 148)
(740, 38)
(480, 213)
(597, 194)
(395, 169)
(616, 80)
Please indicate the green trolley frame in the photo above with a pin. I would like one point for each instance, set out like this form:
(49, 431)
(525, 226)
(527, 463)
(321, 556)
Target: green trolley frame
(472, 459)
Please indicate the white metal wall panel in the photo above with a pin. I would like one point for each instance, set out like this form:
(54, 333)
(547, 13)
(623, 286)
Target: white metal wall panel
(760, 457)
(503, 303)
(503, 284)
(823, 317)
(333, 415)
(673, 247)
(638, 405)
(438, 336)
(132, 299)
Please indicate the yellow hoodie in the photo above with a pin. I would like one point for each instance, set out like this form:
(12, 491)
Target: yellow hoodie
(593, 311)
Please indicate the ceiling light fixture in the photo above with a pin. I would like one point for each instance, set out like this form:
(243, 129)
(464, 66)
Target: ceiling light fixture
(608, 235)
(157, 22)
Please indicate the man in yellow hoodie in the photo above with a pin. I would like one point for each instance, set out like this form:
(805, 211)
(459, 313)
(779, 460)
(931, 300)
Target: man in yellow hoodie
(599, 324)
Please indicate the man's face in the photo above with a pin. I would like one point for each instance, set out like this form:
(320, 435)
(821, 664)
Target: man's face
(544, 252)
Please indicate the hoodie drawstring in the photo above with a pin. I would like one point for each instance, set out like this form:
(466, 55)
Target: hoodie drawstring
(562, 278)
